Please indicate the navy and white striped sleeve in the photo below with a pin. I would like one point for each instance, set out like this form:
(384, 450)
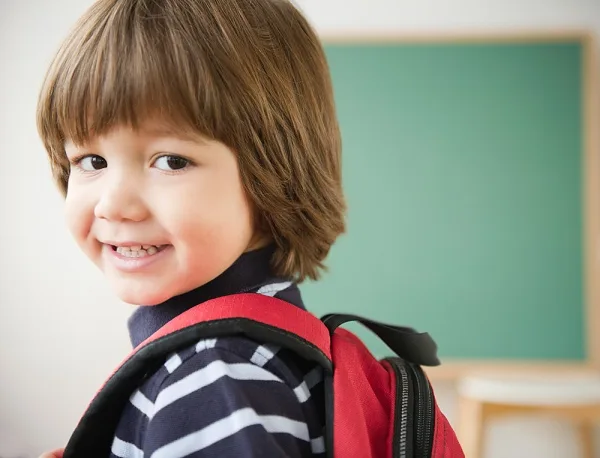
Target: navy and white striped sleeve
(218, 403)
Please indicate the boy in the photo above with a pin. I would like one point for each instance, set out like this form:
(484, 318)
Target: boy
(197, 147)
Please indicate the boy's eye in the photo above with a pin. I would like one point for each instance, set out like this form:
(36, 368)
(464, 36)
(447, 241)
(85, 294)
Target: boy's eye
(170, 163)
(92, 163)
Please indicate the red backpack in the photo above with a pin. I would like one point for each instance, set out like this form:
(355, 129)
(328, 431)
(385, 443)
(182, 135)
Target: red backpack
(374, 409)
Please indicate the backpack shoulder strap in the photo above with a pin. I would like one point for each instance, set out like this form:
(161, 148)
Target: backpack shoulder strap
(259, 317)
(407, 343)
(253, 314)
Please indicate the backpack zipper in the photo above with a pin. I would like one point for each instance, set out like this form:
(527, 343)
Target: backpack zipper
(411, 381)
(403, 424)
(401, 441)
(424, 414)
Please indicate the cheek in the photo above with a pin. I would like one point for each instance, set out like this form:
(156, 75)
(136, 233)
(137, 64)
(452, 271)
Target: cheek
(218, 222)
(79, 216)
(218, 219)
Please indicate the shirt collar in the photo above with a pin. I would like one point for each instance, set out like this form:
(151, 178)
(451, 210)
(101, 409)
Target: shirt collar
(251, 271)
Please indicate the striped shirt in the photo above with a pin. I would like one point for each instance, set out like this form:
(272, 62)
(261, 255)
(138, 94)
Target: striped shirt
(225, 397)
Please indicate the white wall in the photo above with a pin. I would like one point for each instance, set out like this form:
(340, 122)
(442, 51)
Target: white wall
(452, 15)
(54, 309)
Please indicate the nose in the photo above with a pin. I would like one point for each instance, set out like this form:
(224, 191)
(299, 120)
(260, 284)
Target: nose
(121, 200)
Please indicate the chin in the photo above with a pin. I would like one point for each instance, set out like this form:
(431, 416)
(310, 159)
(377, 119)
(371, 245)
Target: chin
(142, 296)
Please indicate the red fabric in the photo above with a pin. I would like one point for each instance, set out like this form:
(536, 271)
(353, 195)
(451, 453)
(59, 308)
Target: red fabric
(264, 309)
(363, 400)
(392, 403)
(445, 443)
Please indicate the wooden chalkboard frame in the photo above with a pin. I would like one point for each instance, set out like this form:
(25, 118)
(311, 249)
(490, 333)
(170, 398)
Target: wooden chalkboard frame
(452, 369)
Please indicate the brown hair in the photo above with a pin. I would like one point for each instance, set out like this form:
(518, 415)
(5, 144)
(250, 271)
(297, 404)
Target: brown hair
(249, 73)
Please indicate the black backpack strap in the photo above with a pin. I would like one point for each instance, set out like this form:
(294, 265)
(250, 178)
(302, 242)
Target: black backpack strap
(408, 344)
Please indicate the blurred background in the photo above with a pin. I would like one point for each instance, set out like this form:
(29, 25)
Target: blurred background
(464, 166)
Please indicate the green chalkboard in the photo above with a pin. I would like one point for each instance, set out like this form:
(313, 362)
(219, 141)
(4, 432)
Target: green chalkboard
(462, 166)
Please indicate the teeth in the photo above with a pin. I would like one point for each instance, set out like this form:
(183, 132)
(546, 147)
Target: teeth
(137, 251)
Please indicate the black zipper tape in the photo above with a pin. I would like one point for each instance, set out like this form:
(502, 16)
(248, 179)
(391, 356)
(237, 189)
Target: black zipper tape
(414, 413)
(424, 417)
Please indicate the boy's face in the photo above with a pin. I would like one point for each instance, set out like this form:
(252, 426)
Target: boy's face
(157, 213)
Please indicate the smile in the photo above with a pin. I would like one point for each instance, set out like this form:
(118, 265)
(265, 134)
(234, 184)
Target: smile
(135, 258)
(138, 251)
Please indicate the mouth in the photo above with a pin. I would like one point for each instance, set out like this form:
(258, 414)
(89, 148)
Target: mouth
(137, 251)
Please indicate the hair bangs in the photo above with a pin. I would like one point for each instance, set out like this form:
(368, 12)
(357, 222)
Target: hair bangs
(129, 69)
